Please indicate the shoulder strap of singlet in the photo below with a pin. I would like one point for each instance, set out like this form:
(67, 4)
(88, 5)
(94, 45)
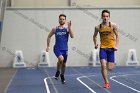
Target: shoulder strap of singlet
(110, 24)
(100, 25)
(56, 28)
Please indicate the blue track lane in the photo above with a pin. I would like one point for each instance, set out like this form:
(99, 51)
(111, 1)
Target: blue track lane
(28, 81)
(122, 79)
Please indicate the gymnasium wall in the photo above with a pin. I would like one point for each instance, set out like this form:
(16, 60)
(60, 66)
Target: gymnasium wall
(46, 3)
(27, 29)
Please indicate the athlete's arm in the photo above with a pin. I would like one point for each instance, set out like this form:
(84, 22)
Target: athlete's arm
(49, 38)
(70, 30)
(117, 36)
(95, 37)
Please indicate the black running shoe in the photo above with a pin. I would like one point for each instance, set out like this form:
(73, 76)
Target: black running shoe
(62, 79)
(57, 75)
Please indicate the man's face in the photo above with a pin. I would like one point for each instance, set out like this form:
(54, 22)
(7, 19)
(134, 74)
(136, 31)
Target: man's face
(105, 17)
(62, 20)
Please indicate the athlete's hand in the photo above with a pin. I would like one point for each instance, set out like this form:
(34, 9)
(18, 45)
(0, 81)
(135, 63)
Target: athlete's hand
(69, 24)
(96, 46)
(115, 48)
(47, 49)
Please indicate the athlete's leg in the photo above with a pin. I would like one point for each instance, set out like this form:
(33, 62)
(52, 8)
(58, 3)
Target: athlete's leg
(59, 63)
(104, 70)
(62, 72)
(64, 53)
(110, 66)
(63, 67)
(103, 57)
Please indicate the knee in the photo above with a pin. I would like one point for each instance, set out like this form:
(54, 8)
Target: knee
(61, 59)
(110, 66)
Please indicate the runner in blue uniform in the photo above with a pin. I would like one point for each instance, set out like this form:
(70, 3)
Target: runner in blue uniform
(61, 33)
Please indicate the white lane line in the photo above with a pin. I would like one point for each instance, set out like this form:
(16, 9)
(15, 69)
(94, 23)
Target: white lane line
(5, 91)
(124, 84)
(46, 85)
(85, 84)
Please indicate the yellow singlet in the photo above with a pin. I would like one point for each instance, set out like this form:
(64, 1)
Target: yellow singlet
(107, 37)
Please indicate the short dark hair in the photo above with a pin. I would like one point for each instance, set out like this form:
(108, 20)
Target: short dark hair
(106, 11)
(62, 15)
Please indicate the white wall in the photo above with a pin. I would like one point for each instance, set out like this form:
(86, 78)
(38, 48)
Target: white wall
(26, 30)
(109, 2)
(46, 3)
(39, 3)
